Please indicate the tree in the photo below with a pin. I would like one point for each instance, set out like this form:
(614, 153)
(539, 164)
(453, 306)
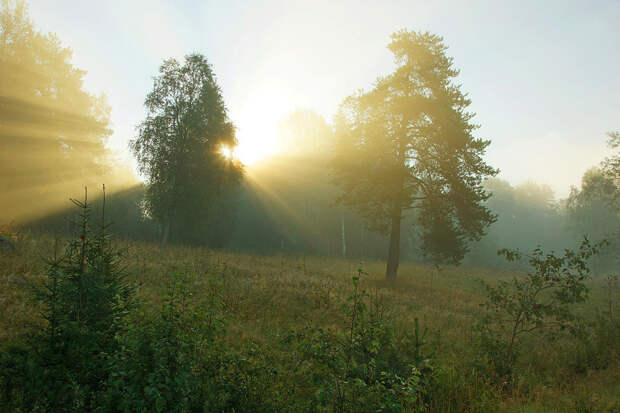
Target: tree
(594, 210)
(179, 148)
(408, 144)
(527, 215)
(52, 132)
(84, 298)
(304, 133)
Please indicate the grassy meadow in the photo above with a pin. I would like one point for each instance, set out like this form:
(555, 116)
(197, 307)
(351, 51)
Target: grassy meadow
(265, 298)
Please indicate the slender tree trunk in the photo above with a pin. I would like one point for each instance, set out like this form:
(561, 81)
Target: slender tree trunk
(394, 252)
(344, 241)
(166, 233)
(171, 213)
(362, 246)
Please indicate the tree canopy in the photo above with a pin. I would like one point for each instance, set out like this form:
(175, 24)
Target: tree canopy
(304, 133)
(594, 209)
(408, 144)
(179, 148)
(53, 133)
(527, 214)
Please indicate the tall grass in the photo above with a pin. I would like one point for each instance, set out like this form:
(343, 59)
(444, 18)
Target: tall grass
(264, 298)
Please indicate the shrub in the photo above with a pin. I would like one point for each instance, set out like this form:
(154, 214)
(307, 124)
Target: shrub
(541, 298)
(176, 360)
(363, 368)
(155, 370)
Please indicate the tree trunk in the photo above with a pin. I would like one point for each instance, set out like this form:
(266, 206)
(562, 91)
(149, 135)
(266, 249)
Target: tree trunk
(394, 252)
(362, 245)
(344, 241)
(167, 227)
(166, 233)
(171, 212)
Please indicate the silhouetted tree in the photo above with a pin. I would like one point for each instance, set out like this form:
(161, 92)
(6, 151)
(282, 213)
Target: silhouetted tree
(408, 144)
(179, 145)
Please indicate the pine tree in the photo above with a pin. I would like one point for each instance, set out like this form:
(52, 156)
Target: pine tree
(408, 144)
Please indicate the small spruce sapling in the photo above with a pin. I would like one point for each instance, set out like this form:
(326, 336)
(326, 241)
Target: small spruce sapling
(84, 299)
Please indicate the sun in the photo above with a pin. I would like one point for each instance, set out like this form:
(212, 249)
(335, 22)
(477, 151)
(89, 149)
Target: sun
(252, 151)
(257, 117)
(227, 152)
(249, 151)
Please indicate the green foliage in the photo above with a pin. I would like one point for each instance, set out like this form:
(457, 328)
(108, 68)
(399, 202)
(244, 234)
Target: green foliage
(594, 209)
(217, 328)
(408, 144)
(363, 368)
(600, 346)
(178, 148)
(156, 368)
(542, 298)
(84, 299)
(176, 361)
(94, 354)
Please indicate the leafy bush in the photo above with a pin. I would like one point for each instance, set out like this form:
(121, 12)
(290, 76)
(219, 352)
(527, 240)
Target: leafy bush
(176, 360)
(541, 298)
(155, 369)
(363, 368)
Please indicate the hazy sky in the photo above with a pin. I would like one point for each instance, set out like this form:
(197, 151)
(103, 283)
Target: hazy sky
(543, 76)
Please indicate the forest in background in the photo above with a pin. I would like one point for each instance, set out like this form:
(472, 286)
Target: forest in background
(297, 214)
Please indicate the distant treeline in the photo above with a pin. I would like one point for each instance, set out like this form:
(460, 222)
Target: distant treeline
(296, 213)
(268, 213)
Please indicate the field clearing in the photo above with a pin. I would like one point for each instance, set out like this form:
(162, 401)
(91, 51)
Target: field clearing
(264, 297)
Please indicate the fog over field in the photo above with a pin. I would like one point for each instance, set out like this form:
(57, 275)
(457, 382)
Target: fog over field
(300, 206)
